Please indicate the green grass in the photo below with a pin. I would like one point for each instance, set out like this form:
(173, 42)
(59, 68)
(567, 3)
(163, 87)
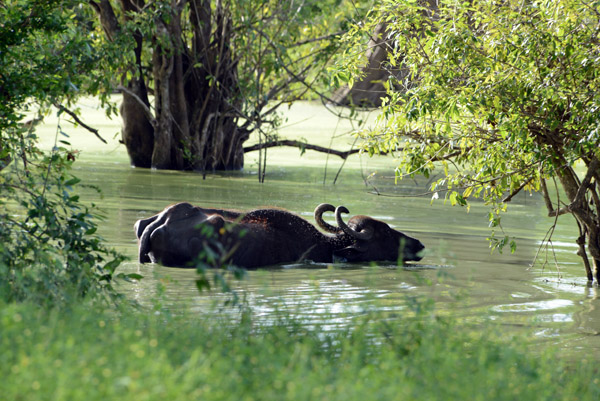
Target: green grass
(88, 354)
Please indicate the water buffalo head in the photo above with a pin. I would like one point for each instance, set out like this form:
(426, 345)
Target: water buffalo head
(372, 240)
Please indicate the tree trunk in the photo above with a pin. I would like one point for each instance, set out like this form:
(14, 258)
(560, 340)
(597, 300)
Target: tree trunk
(369, 90)
(585, 207)
(137, 132)
(194, 123)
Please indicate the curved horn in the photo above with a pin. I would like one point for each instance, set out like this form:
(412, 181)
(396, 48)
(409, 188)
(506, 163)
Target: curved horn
(365, 234)
(322, 208)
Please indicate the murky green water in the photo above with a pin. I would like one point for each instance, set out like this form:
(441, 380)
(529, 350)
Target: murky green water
(458, 271)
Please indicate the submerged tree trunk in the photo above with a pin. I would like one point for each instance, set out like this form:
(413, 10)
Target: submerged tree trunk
(137, 132)
(193, 124)
(583, 199)
(585, 207)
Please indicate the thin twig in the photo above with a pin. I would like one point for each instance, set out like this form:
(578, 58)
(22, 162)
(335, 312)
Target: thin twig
(547, 241)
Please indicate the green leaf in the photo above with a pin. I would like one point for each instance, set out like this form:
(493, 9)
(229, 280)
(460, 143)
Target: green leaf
(202, 284)
(129, 277)
(72, 182)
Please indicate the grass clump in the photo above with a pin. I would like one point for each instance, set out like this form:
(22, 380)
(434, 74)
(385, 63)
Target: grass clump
(96, 355)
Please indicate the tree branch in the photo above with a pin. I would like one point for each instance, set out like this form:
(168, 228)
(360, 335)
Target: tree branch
(74, 116)
(559, 212)
(595, 200)
(286, 68)
(516, 191)
(583, 187)
(547, 199)
(143, 105)
(582, 254)
(301, 145)
(107, 17)
(579, 207)
(320, 38)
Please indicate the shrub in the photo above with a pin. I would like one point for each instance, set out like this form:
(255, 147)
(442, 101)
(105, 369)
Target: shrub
(49, 249)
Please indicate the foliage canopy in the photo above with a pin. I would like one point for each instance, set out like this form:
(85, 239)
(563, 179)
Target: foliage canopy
(501, 96)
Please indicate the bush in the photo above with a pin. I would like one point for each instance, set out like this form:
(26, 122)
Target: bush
(49, 250)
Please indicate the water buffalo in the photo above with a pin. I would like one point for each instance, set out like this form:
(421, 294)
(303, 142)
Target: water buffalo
(263, 237)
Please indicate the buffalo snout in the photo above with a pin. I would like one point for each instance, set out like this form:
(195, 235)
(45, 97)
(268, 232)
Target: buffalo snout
(412, 249)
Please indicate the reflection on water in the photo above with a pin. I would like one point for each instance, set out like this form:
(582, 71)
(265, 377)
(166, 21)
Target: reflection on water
(540, 306)
(458, 271)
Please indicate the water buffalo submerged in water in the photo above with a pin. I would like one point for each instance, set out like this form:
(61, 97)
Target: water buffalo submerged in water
(263, 237)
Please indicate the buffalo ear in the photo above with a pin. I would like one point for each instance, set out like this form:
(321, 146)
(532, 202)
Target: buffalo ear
(216, 219)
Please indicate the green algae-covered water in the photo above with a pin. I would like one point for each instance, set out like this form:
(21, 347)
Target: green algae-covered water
(551, 303)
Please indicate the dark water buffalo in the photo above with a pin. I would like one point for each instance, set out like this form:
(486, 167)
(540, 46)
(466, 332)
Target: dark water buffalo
(263, 237)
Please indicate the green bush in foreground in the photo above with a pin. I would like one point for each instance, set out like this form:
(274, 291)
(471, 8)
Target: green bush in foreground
(50, 252)
(93, 355)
